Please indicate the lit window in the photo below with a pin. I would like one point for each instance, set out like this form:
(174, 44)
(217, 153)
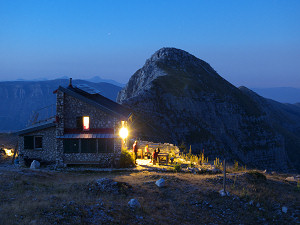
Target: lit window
(86, 123)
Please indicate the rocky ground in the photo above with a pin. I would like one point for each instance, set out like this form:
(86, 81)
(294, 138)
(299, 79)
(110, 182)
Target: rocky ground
(46, 196)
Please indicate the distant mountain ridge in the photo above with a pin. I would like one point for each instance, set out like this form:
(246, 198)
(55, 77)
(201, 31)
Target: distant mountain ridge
(21, 100)
(95, 79)
(280, 94)
(184, 98)
(98, 79)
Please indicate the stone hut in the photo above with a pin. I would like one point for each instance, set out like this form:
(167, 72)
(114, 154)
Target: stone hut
(84, 131)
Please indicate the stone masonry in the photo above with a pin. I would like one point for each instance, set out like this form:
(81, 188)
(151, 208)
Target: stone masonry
(47, 153)
(68, 108)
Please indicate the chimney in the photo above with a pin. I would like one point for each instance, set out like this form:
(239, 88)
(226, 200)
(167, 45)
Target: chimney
(70, 83)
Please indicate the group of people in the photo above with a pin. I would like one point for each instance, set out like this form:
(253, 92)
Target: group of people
(155, 156)
(147, 153)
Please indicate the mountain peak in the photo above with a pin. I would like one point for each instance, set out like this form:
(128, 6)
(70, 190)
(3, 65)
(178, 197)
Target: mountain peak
(170, 53)
(173, 57)
(182, 73)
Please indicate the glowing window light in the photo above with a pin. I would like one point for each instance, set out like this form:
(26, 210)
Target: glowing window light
(86, 123)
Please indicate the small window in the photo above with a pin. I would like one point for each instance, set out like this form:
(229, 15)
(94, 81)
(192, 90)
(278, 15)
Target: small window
(28, 142)
(86, 123)
(33, 142)
(38, 142)
(83, 123)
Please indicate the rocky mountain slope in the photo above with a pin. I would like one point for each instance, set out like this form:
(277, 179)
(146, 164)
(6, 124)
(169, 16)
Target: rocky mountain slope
(186, 100)
(21, 99)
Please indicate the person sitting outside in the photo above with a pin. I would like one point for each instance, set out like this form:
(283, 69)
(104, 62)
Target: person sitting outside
(155, 155)
(147, 153)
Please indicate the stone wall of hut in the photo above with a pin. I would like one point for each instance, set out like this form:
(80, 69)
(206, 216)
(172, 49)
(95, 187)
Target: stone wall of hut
(48, 152)
(68, 109)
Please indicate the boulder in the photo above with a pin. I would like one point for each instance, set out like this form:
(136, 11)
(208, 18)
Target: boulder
(195, 170)
(284, 209)
(215, 170)
(160, 183)
(291, 179)
(223, 193)
(109, 186)
(35, 164)
(106, 185)
(134, 204)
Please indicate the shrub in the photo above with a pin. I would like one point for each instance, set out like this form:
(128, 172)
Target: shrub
(177, 167)
(255, 176)
(236, 166)
(126, 159)
(191, 165)
(217, 164)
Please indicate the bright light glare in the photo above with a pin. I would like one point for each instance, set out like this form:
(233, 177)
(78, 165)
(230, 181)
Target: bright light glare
(123, 132)
(8, 152)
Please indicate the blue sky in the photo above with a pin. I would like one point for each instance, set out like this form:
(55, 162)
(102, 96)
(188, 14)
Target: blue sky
(250, 43)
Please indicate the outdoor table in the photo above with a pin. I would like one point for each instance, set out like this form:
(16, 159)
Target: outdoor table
(163, 155)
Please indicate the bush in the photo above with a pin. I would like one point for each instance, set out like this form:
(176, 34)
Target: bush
(218, 164)
(177, 167)
(126, 159)
(255, 176)
(191, 165)
(236, 166)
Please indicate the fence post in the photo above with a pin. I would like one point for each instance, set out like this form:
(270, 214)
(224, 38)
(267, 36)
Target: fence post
(224, 173)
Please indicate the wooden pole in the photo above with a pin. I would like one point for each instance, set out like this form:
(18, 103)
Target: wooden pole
(15, 153)
(224, 180)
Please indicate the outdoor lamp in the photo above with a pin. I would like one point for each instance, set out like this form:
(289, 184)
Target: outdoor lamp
(123, 131)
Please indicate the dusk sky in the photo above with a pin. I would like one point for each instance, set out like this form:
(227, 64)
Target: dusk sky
(250, 43)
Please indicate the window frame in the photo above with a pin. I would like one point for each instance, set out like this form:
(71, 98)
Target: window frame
(33, 142)
(109, 144)
(73, 142)
(106, 145)
(91, 143)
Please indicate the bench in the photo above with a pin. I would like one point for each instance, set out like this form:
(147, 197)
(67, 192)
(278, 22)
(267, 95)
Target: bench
(163, 158)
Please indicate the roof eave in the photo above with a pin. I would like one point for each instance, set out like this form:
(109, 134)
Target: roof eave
(82, 98)
(33, 129)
